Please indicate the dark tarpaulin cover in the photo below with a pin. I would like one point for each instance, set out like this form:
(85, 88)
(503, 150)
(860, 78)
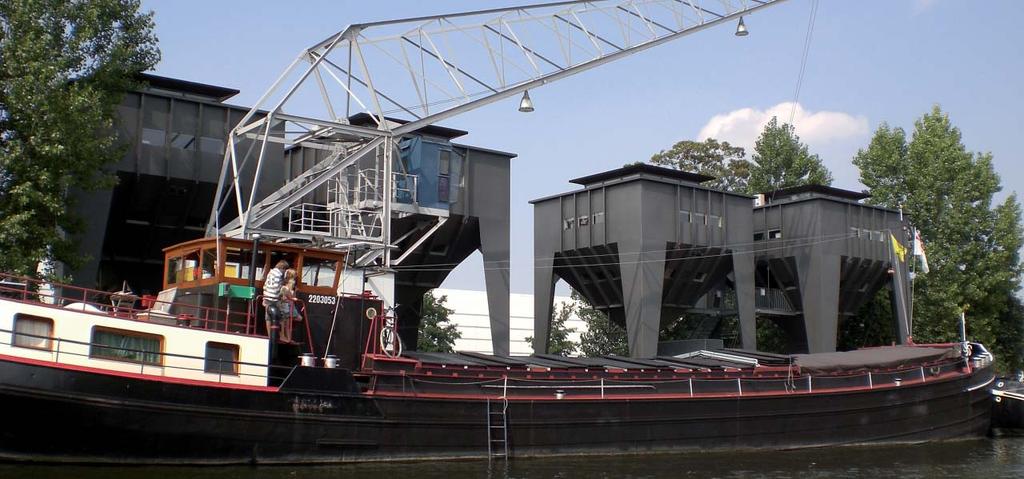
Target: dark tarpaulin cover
(872, 358)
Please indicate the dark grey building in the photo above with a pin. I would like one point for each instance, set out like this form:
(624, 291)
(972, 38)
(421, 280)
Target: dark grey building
(449, 200)
(821, 254)
(643, 244)
(174, 132)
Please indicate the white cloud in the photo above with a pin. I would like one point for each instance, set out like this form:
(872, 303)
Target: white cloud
(819, 129)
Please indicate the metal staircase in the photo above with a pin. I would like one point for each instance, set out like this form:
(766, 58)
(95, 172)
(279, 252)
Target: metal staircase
(497, 428)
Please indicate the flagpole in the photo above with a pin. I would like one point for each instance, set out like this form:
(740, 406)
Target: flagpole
(913, 271)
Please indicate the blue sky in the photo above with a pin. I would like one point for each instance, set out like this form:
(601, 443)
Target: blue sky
(870, 62)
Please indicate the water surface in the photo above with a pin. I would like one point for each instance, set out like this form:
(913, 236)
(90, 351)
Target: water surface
(987, 458)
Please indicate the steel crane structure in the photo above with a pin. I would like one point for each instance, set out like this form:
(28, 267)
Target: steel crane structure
(424, 70)
(429, 69)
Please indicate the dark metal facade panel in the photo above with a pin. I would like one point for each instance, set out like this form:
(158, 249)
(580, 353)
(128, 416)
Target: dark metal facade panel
(640, 250)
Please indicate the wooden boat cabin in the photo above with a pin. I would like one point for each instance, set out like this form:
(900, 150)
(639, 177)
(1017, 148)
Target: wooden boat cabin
(226, 275)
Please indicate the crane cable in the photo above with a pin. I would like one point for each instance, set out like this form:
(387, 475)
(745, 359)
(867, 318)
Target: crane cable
(803, 59)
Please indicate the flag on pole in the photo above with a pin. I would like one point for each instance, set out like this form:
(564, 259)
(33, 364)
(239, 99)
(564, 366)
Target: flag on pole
(919, 250)
(900, 250)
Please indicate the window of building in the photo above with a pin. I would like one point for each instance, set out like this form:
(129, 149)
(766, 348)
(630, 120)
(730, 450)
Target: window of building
(211, 146)
(685, 216)
(33, 331)
(700, 218)
(715, 220)
(567, 223)
(221, 358)
(775, 234)
(128, 346)
(153, 137)
(182, 141)
(444, 171)
(583, 220)
(759, 236)
(598, 218)
(318, 272)
(444, 163)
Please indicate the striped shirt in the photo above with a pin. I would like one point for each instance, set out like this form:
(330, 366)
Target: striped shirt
(272, 285)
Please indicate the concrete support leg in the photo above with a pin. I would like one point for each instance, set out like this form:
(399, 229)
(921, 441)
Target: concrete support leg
(743, 272)
(543, 302)
(819, 288)
(494, 245)
(643, 278)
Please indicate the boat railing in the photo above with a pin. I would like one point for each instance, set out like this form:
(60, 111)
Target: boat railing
(126, 305)
(224, 370)
(692, 386)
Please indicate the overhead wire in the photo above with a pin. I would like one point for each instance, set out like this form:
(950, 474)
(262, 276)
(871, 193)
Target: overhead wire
(808, 37)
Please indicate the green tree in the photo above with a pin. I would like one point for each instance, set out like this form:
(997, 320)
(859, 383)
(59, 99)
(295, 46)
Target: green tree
(64, 67)
(436, 334)
(873, 325)
(726, 163)
(1009, 350)
(973, 247)
(558, 340)
(602, 336)
(782, 161)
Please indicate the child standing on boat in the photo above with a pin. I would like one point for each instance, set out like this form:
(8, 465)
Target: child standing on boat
(289, 311)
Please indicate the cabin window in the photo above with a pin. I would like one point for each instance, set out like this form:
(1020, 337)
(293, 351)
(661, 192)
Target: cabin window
(775, 234)
(237, 262)
(598, 218)
(221, 358)
(173, 266)
(33, 331)
(318, 272)
(209, 263)
(129, 346)
(276, 256)
(759, 236)
(715, 220)
(583, 220)
(190, 266)
(700, 218)
(685, 217)
(567, 223)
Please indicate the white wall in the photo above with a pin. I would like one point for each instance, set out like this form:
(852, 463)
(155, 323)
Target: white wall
(473, 322)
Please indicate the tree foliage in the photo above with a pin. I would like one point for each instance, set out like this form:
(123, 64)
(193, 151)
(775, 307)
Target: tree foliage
(782, 161)
(64, 67)
(602, 336)
(973, 247)
(559, 343)
(436, 334)
(726, 163)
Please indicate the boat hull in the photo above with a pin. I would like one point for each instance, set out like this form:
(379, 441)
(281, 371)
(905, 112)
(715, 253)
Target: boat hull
(57, 414)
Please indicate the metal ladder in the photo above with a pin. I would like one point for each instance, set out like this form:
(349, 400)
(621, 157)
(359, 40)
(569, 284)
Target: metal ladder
(497, 428)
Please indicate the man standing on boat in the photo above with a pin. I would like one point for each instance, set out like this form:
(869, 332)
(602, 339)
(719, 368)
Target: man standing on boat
(272, 296)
